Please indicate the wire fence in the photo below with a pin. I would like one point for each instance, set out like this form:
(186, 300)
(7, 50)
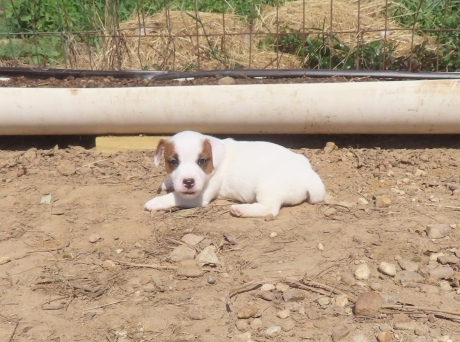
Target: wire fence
(411, 35)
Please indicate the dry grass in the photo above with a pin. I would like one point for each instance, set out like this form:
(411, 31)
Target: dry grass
(176, 40)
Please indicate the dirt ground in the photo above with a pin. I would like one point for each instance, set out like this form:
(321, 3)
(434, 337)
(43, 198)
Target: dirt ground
(57, 285)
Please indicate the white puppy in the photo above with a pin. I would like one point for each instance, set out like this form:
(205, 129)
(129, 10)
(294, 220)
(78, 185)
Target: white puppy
(260, 175)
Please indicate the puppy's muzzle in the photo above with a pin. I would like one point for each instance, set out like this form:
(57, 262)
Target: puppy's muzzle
(189, 183)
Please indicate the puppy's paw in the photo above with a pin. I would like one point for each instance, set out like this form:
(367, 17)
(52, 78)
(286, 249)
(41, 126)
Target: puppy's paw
(236, 210)
(154, 204)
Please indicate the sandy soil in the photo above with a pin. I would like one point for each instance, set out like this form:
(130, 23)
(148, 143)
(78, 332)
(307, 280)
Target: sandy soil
(57, 285)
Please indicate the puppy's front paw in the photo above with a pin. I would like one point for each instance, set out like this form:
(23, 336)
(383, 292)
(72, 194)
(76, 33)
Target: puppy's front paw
(154, 204)
(236, 210)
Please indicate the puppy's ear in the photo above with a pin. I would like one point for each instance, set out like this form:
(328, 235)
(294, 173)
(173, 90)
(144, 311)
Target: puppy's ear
(218, 151)
(159, 152)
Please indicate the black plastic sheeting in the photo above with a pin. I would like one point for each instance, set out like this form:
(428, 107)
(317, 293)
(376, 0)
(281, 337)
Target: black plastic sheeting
(242, 73)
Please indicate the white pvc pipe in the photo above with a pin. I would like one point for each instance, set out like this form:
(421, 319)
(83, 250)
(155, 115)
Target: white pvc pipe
(413, 107)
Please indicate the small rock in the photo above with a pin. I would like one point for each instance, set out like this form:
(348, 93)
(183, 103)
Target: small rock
(282, 287)
(401, 318)
(181, 253)
(437, 231)
(294, 295)
(382, 201)
(207, 256)
(135, 254)
(404, 277)
(376, 286)
(420, 173)
(230, 237)
(211, 279)
(256, 323)
(119, 250)
(444, 285)
(330, 146)
(269, 217)
(330, 212)
(441, 273)
(288, 325)
(273, 331)
(360, 338)
(227, 80)
(368, 304)
(267, 287)
(411, 326)
(322, 324)
(339, 333)
(4, 260)
(66, 168)
(348, 278)
(363, 201)
(312, 314)
(323, 301)
(192, 239)
(204, 243)
(273, 234)
(267, 295)
(320, 247)
(283, 314)
(189, 268)
(247, 311)
(448, 259)
(387, 268)
(429, 289)
(245, 337)
(362, 272)
(242, 325)
(109, 265)
(94, 237)
(408, 265)
(196, 314)
(341, 300)
(384, 336)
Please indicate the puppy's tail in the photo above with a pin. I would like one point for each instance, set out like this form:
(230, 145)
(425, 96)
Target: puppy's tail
(315, 188)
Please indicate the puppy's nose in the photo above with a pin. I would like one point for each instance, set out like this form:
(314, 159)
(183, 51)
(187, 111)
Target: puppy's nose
(188, 182)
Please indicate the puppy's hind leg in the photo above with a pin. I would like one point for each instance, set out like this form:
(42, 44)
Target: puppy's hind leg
(254, 210)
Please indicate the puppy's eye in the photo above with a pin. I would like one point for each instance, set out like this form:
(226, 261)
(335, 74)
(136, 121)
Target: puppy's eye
(202, 161)
(173, 162)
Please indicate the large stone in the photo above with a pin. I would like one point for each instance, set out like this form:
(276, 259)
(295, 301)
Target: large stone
(368, 304)
(437, 231)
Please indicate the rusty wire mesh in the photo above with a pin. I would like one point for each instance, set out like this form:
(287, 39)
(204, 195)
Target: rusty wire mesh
(231, 34)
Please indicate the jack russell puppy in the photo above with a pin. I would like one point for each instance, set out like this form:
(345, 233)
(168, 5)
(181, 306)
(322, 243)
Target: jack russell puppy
(260, 175)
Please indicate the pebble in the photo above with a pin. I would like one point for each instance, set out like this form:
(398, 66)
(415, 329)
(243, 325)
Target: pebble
(66, 168)
(4, 260)
(376, 286)
(273, 331)
(288, 325)
(382, 201)
(384, 336)
(283, 314)
(181, 253)
(408, 265)
(387, 268)
(269, 217)
(109, 265)
(135, 254)
(267, 295)
(408, 277)
(348, 278)
(207, 256)
(227, 80)
(444, 285)
(360, 338)
(189, 268)
(363, 201)
(245, 337)
(411, 326)
(429, 289)
(211, 279)
(204, 243)
(192, 239)
(247, 311)
(282, 287)
(341, 300)
(94, 237)
(368, 304)
(448, 259)
(323, 301)
(330, 212)
(330, 146)
(196, 314)
(320, 247)
(312, 314)
(441, 273)
(437, 231)
(362, 272)
(339, 333)
(256, 323)
(273, 234)
(119, 250)
(420, 173)
(242, 325)
(294, 295)
(267, 287)
(230, 237)
(435, 256)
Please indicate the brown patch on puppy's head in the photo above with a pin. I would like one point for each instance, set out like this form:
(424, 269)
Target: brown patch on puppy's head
(171, 157)
(205, 158)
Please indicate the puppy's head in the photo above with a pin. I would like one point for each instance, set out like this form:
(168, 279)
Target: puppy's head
(190, 160)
